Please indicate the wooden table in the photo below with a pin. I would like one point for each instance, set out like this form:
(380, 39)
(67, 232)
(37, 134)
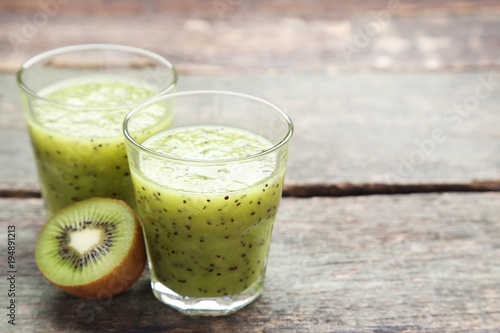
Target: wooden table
(390, 220)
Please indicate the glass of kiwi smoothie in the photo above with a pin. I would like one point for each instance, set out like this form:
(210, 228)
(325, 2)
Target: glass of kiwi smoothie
(75, 99)
(208, 190)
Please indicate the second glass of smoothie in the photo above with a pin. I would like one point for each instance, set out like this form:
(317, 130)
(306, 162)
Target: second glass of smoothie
(75, 99)
(208, 190)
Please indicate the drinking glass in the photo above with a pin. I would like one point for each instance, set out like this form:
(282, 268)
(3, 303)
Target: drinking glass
(208, 184)
(75, 99)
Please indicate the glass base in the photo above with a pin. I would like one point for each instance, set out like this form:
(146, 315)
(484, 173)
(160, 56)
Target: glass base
(206, 306)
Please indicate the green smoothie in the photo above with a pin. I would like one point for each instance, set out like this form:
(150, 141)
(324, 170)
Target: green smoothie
(78, 144)
(207, 225)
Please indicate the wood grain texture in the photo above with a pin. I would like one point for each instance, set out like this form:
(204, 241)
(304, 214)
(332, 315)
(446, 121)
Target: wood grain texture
(352, 130)
(250, 36)
(304, 8)
(410, 263)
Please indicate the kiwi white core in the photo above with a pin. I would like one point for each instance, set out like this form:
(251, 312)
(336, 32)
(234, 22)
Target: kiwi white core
(84, 240)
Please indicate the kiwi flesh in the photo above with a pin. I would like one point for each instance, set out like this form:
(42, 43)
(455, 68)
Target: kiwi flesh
(93, 248)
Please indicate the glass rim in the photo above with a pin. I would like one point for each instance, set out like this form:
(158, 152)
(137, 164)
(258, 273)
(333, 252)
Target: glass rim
(264, 102)
(88, 47)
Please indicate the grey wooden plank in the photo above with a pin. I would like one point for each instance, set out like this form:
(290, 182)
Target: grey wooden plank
(308, 36)
(304, 8)
(401, 263)
(351, 128)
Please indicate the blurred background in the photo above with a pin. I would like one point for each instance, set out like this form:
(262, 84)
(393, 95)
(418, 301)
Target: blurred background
(250, 35)
(367, 83)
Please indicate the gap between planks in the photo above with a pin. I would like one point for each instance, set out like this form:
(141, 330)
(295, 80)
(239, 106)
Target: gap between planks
(338, 190)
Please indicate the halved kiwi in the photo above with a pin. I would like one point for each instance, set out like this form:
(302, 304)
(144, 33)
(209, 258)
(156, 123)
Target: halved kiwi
(93, 248)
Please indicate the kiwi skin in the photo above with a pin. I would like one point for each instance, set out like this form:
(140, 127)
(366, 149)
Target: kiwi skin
(119, 279)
